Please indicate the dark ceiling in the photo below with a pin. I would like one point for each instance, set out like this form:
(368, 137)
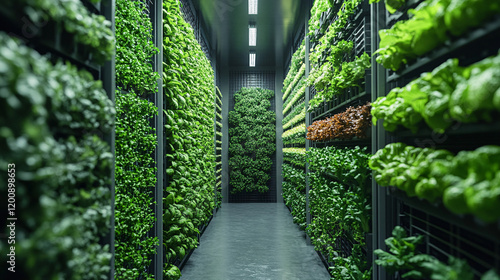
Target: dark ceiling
(226, 23)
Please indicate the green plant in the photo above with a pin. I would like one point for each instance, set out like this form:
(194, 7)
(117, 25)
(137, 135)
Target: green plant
(391, 5)
(294, 182)
(62, 168)
(251, 140)
(91, 30)
(466, 183)
(296, 63)
(332, 80)
(135, 142)
(428, 26)
(299, 92)
(340, 206)
(135, 176)
(190, 95)
(448, 93)
(403, 256)
(295, 156)
(297, 132)
(135, 48)
(319, 7)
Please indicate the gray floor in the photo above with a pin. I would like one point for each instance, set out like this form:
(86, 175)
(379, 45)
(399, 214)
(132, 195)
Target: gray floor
(254, 241)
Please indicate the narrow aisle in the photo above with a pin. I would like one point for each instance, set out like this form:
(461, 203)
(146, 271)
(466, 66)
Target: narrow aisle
(254, 241)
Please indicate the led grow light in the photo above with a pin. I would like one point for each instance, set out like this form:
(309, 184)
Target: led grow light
(252, 59)
(252, 36)
(252, 7)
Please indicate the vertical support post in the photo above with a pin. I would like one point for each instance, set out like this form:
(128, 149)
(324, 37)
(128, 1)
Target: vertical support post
(278, 102)
(109, 85)
(224, 87)
(308, 115)
(380, 209)
(213, 63)
(157, 20)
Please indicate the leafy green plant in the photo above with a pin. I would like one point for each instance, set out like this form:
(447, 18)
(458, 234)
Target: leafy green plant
(252, 137)
(91, 30)
(332, 80)
(340, 208)
(448, 93)
(319, 7)
(391, 5)
(294, 182)
(190, 96)
(299, 92)
(135, 142)
(428, 27)
(135, 48)
(296, 132)
(287, 121)
(62, 168)
(135, 176)
(403, 256)
(466, 183)
(295, 156)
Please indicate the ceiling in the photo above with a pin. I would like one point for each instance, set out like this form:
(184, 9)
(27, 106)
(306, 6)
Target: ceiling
(226, 24)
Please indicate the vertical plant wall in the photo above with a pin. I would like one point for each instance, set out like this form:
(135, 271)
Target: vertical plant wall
(189, 92)
(294, 113)
(135, 172)
(252, 135)
(55, 164)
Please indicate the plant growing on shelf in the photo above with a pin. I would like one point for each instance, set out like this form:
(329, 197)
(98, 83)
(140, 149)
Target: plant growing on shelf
(251, 140)
(189, 129)
(354, 122)
(51, 113)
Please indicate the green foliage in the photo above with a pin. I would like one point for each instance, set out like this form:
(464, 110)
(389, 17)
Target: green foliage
(298, 92)
(330, 72)
(295, 156)
(135, 176)
(136, 140)
(340, 207)
(294, 186)
(466, 183)
(297, 132)
(404, 257)
(428, 27)
(190, 95)
(317, 9)
(63, 202)
(91, 30)
(287, 121)
(335, 76)
(135, 48)
(252, 134)
(448, 93)
(391, 5)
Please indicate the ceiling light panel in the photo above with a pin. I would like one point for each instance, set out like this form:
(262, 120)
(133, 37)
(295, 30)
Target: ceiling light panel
(252, 59)
(252, 36)
(252, 7)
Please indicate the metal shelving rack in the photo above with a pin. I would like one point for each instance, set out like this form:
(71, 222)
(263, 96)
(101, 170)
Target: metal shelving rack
(447, 234)
(358, 31)
(218, 149)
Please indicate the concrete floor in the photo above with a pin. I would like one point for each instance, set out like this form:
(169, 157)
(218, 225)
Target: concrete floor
(254, 241)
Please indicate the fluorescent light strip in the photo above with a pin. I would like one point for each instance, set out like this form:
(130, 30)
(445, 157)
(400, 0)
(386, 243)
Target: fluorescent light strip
(252, 7)
(252, 36)
(252, 59)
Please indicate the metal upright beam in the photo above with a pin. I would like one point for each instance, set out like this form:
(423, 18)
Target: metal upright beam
(308, 115)
(109, 85)
(381, 214)
(157, 21)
